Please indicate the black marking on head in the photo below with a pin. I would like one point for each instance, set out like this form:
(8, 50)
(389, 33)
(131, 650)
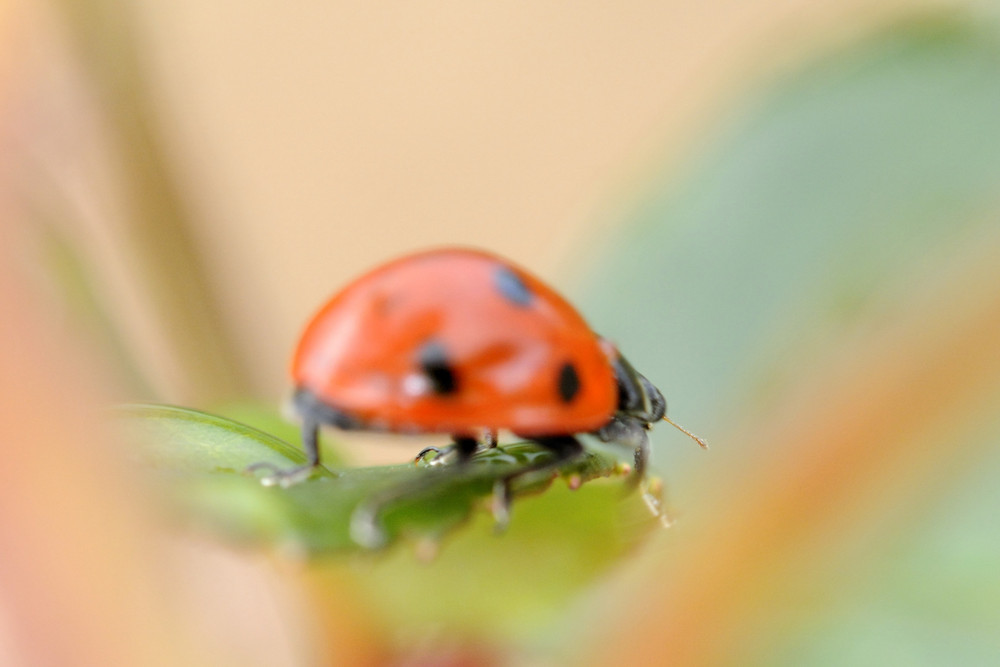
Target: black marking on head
(568, 382)
(511, 286)
(434, 364)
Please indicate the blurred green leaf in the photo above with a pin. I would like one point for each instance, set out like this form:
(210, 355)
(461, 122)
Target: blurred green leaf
(182, 440)
(812, 216)
(817, 205)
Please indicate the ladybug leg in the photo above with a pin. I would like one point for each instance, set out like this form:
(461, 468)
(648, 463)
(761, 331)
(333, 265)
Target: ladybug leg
(465, 447)
(489, 439)
(564, 447)
(624, 429)
(286, 477)
(641, 458)
(366, 525)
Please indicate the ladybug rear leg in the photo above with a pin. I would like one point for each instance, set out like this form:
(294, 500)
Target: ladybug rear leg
(564, 447)
(286, 477)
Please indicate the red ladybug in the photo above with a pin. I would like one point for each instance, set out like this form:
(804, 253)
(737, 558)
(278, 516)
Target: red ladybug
(462, 342)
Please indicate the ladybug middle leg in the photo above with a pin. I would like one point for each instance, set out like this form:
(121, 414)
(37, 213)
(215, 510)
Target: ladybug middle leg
(366, 520)
(366, 526)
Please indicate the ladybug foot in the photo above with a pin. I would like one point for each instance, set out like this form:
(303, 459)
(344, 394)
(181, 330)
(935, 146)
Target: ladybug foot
(652, 496)
(283, 477)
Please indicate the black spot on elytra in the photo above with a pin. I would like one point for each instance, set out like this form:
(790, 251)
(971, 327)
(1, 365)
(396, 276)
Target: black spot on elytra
(433, 360)
(511, 286)
(568, 382)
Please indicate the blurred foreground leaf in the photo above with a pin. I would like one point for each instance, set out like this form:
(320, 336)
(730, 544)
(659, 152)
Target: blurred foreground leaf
(480, 584)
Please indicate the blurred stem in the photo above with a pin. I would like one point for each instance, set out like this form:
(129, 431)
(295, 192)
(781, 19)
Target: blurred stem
(75, 279)
(158, 229)
(81, 578)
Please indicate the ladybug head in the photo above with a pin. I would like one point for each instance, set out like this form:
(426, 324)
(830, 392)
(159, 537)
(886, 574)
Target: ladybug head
(639, 400)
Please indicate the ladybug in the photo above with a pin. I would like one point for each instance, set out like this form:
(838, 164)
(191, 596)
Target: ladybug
(462, 342)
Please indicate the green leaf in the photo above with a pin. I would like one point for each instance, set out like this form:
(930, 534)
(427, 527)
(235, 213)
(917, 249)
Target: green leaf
(201, 459)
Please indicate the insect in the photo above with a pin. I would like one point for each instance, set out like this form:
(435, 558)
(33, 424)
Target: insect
(462, 342)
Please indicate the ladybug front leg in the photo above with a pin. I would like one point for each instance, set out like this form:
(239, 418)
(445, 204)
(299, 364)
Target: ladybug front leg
(626, 430)
(564, 447)
(286, 477)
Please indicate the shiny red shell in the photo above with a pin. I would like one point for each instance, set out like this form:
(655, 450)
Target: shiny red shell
(521, 358)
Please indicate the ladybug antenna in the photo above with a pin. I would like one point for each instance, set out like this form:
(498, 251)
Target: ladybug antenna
(700, 441)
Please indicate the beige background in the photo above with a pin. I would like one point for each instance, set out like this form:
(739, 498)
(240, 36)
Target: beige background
(325, 137)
